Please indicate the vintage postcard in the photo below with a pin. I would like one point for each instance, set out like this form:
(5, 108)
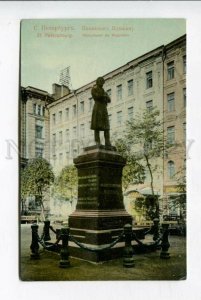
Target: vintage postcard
(102, 110)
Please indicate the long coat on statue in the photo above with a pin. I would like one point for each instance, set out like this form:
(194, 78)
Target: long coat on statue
(100, 119)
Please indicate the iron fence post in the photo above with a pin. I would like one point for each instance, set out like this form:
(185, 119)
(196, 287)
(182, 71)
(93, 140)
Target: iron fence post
(34, 243)
(64, 254)
(165, 242)
(46, 231)
(128, 259)
(156, 229)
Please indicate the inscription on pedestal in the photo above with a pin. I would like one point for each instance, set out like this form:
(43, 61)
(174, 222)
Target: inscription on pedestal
(100, 201)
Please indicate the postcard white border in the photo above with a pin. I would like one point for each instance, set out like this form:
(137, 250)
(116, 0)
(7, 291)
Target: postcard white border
(10, 15)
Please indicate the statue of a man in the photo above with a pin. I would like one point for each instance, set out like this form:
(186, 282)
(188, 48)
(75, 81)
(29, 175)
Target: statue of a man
(100, 119)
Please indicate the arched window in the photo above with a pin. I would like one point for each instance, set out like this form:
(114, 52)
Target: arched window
(171, 169)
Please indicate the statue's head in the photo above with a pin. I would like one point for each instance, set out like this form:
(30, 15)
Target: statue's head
(100, 81)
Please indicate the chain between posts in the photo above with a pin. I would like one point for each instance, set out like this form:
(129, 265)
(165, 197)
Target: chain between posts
(81, 245)
(128, 235)
(146, 245)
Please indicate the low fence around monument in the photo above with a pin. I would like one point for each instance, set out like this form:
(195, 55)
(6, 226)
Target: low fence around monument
(160, 241)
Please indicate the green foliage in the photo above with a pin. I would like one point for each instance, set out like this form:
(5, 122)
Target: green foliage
(146, 206)
(65, 186)
(146, 131)
(141, 144)
(36, 177)
(133, 172)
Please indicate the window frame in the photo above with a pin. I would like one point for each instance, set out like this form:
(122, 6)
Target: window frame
(170, 70)
(74, 110)
(54, 118)
(130, 113)
(39, 151)
(171, 169)
(171, 102)
(39, 133)
(60, 137)
(119, 92)
(34, 108)
(67, 110)
(119, 118)
(90, 104)
(171, 135)
(82, 107)
(149, 107)
(149, 80)
(82, 130)
(130, 87)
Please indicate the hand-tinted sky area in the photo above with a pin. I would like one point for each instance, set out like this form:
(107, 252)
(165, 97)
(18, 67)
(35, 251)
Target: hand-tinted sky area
(91, 47)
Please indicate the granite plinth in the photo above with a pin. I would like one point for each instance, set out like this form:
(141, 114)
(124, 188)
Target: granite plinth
(100, 215)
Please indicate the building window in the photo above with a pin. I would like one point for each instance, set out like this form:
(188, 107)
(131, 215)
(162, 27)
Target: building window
(109, 92)
(171, 102)
(170, 70)
(67, 154)
(43, 111)
(39, 152)
(60, 138)
(119, 92)
(54, 139)
(130, 87)
(171, 169)
(39, 132)
(74, 132)
(184, 64)
(74, 153)
(82, 130)
(60, 116)
(67, 135)
(184, 96)
(67, 113)
(74, 110)
(149, 105)
(54, 118)
(82, 107)
(171, 135)
(90, 104)
(149, 80)
(130, 113)
(39, 110)
(119, 118)
(34, 108)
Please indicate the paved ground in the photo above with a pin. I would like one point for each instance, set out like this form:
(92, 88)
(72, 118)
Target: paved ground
(147, 267)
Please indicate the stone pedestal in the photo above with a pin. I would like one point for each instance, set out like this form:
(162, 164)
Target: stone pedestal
(100, 214)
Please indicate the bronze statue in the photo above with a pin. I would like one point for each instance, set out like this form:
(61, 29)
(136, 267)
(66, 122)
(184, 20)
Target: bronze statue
(100, 119)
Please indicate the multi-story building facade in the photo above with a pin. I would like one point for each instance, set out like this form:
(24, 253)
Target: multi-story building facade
(34, 132)
(34, 123)
(133, 87)
(174, 115)
(155, 79)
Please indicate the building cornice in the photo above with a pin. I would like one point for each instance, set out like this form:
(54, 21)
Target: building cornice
(159, 51)
(31, 92)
